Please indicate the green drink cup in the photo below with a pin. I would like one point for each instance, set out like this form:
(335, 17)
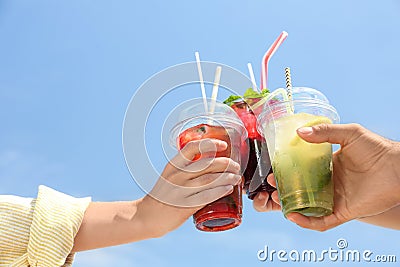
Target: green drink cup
(303, 171)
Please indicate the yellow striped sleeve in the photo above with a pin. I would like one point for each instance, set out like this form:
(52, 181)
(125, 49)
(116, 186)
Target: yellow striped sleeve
(55, 221)
(15, 219)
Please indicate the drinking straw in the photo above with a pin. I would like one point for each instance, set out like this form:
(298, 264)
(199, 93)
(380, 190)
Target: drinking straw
(203, 89)
(267, 56)
(288, 83)
(289, 87)
(307, 182)
(253, 80)
(214, 94)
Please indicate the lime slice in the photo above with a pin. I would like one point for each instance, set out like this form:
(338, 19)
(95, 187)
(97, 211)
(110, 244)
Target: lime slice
(318, 120)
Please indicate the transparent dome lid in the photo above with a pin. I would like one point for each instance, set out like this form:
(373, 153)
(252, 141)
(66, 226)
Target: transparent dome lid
(193, 113)
(196, 108)
(298, 94)
(304, 100)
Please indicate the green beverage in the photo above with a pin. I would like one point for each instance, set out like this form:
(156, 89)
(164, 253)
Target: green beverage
(302, 170)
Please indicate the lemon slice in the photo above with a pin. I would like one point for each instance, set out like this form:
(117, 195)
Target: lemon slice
(318, 120)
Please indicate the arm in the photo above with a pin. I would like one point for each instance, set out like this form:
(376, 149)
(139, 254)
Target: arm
(391, 217)
(110, 223)
(388, 219)
(183, 188)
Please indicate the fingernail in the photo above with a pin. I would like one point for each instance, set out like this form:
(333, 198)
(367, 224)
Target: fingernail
(305, 130)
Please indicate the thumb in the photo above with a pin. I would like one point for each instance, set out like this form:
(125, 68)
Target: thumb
(342, 134)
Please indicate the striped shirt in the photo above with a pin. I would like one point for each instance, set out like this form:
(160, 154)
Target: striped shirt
(41, 231)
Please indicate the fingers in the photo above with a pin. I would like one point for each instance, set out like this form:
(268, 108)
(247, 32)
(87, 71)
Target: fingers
(342, 134)
(195, 196)
(201, 167)
(271, 180)
(263, 203)
(260, 201)
(275, 197)
(207, 196)
(213, 165)
(214, 180)
(314, 223)
(193, 148)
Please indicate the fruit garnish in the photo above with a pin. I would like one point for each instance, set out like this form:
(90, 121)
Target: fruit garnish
(316, 121)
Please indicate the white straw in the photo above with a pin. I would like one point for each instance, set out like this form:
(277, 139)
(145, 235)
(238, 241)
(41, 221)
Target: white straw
(214, 94)
(253, 80)
(203, 89)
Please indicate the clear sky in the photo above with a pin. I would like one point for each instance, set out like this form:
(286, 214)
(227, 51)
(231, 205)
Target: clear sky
(68, 70)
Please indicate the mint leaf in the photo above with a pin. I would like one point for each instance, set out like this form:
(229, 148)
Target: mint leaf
(229, 101)
(250, 93)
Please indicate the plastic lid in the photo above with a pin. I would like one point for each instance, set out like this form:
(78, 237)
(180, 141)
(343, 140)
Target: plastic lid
(192, 113)
(302, 93)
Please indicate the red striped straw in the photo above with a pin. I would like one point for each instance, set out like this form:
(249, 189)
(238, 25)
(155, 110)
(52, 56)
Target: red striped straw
(267, 56)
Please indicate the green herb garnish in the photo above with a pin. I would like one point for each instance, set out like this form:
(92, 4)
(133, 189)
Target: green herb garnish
(250, 93)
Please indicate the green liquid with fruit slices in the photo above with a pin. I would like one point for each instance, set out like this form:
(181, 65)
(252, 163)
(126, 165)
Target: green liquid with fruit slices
(302, 170)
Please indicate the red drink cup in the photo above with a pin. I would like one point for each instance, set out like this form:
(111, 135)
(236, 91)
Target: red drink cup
(226, 212)
(258, 164)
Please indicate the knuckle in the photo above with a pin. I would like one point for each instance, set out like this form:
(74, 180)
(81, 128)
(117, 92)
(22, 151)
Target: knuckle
(208, 178)
(230, 178)
(262, 208)
(357, 130)
(324, 127)
(356, 127)
(191, 146)
(224, 162)
(258, 208)
(204, 197)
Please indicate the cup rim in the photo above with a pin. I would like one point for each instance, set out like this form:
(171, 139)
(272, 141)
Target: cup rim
(223, 120)
(268, 114)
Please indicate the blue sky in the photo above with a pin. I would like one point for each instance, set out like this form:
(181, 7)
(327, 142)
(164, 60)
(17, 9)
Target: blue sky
(68, 70)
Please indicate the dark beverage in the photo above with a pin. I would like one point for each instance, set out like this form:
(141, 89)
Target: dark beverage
(258, 165)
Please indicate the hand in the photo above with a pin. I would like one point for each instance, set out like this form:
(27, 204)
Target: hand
(183, 188)
(264, 202)
(364, 174)
(186, 186)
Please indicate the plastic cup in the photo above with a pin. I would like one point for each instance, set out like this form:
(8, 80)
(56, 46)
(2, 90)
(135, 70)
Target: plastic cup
(303, 171)
(258, 165)
(223, 124)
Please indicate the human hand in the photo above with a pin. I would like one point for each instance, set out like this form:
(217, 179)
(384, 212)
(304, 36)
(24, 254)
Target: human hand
(365, 177)
(265, 201)
(186, 186)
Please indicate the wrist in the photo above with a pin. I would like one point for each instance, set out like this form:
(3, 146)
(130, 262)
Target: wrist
(148, 219)
(395, 162)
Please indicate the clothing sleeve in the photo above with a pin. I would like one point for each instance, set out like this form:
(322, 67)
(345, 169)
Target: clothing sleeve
(56, 220)
(41, 230)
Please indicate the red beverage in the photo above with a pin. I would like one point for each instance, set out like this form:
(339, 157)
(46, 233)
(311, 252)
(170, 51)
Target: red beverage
(258, 165)
(226, 212)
